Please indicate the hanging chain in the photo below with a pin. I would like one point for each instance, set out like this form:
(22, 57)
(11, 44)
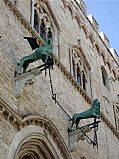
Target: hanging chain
(51, 85)
(54, 97)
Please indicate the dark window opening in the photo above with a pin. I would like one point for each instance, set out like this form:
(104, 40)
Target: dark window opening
(103, 78)
(78, 76)
(43, 30)
(74, 73)
(36, 18)
(84, 81)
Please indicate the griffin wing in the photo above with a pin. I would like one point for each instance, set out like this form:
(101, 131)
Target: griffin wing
(32, 41)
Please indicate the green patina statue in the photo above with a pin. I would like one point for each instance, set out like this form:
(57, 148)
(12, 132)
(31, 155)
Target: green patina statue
(93, 112)
(43, 52)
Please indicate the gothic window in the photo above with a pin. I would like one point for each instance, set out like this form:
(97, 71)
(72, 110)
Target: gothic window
(42, 22)
(105, 77)
(78, 68)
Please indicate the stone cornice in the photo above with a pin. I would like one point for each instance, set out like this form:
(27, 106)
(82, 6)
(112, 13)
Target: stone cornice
(58, 63)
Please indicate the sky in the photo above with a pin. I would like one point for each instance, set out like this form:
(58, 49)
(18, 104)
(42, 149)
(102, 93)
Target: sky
(106, 13)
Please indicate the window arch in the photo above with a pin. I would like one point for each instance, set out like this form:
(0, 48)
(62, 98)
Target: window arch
(79, 68)
(78, 20)
(42, 22)
(105, 77)
(70, 10)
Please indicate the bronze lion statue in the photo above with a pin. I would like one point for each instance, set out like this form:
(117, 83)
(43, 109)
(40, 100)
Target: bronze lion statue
(93, 112)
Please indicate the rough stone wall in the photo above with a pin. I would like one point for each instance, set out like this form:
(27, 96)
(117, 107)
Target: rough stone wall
(36, 98)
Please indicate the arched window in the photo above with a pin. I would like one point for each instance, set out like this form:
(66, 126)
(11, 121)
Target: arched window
(42, 22)
(105, 77)
(79, 68)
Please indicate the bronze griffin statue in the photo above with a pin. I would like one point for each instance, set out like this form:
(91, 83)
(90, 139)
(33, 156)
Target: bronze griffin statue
(43, 52)
(93, 112)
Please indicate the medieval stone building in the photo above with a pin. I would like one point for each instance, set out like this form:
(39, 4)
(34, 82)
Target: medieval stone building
(33, 125)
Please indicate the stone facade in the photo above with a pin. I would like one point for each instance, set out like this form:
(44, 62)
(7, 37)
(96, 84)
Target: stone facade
(32, 125)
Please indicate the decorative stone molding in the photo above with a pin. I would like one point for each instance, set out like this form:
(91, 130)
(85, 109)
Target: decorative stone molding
(110, 126)
(10, 115)
(50, 129)
(68, 5)
(76, 16)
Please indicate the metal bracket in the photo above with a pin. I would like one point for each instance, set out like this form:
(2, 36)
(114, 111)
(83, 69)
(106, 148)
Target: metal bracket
(81, 134)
